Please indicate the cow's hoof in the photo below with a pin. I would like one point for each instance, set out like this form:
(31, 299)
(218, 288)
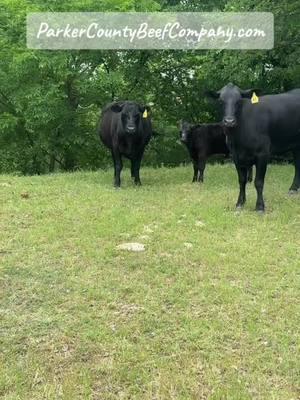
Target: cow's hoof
(117, 187)
(239, 208)
(260, 212)
(292, 192)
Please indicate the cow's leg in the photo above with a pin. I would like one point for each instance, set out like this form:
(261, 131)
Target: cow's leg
(250, 174)
(242, 174)
(118, 165)
(135, 167)
(261, 168)
(201, 168)
(132, 170)
(296, 182)
(195, 165)
(114, 161)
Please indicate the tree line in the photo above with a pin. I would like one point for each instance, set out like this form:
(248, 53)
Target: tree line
(50, 101)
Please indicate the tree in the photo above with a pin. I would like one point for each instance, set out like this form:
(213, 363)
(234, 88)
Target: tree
(50, 101)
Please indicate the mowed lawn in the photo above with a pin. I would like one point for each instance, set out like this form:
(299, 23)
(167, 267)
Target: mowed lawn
(210, 309)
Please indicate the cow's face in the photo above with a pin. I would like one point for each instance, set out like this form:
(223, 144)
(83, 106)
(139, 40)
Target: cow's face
(130, 114)
(184, 131)
(231, 98)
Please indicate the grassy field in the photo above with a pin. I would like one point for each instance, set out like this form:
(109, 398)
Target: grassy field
(210, 309)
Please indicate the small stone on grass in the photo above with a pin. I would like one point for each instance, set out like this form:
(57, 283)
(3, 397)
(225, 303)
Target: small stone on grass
(131, 247)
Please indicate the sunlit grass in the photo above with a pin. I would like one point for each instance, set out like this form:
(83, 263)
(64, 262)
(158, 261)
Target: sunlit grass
(209, 311)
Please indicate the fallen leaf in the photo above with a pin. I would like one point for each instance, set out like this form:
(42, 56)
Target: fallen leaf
(199, 223)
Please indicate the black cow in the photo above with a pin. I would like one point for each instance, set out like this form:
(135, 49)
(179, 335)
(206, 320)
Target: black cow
(202, 141)
(257, 127)
(125, 128)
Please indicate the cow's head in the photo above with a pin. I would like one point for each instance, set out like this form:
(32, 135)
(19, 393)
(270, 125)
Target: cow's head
(184, 131)
(231, 97)
(131, 115)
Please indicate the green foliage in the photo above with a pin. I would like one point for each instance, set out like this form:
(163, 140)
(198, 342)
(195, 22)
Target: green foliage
(50, 101)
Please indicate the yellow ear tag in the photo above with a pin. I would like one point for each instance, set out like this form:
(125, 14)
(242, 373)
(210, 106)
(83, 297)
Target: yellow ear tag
(254, 98)
(145, 114)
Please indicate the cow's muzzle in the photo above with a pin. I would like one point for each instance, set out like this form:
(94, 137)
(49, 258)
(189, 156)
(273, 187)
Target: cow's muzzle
(131, 129)
(183, 138)
(229, 122)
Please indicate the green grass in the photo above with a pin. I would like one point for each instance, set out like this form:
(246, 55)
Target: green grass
(209, 311)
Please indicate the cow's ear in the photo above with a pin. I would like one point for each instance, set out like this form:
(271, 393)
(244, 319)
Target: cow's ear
(212, 94)
(116, 107)
(247, 94)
